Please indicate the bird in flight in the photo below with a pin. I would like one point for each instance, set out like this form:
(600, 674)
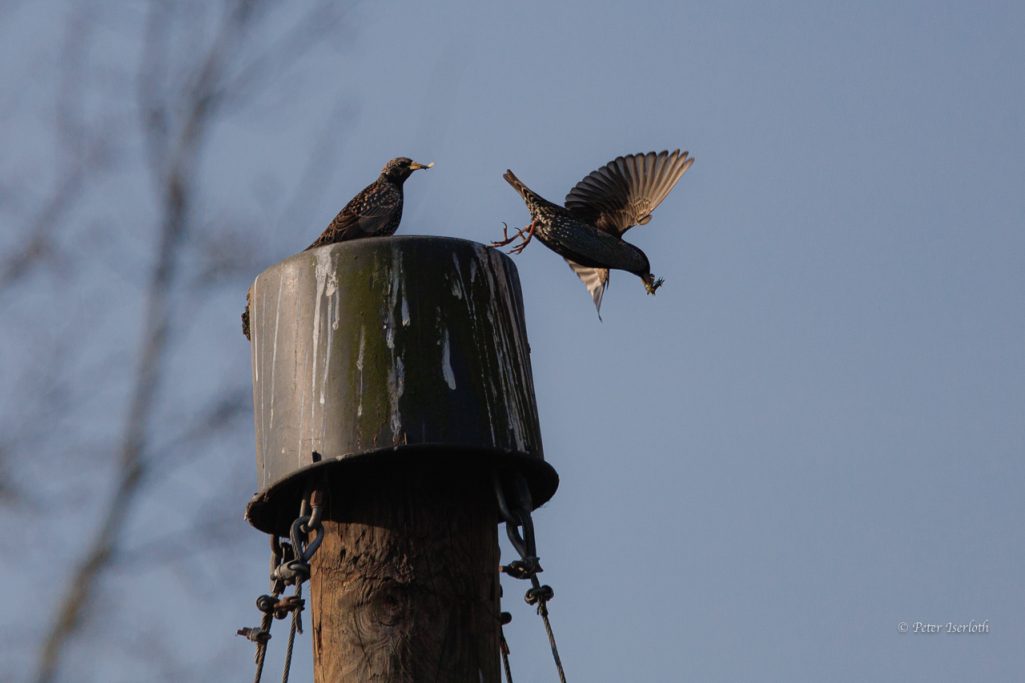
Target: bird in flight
(588, 232)
(375, 212)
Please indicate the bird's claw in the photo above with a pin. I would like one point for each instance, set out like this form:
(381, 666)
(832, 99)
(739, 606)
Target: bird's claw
(520, 247)
(505, 236)
(526, 239)
(519, 234)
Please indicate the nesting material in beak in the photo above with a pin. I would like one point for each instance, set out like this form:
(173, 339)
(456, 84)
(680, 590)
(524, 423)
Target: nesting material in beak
(651, 284)
(416, 166)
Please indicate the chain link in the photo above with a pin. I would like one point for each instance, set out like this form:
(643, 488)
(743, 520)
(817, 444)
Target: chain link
(289, 566)
(519, 526)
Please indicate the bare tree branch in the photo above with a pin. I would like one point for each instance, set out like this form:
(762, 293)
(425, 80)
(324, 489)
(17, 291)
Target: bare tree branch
(116, 260)
(42, 232)
(200, 101)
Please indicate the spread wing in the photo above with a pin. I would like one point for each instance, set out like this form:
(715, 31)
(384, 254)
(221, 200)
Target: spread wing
(625, 191)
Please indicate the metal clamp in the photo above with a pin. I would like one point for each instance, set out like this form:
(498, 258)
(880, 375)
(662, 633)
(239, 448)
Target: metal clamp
(289, 565)
(517, 517)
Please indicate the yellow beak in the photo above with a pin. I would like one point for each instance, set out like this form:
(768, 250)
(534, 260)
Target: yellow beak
(415, 166)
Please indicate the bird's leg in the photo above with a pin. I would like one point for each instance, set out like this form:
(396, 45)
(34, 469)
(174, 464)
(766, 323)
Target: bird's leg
(526, 240)
(505, 234)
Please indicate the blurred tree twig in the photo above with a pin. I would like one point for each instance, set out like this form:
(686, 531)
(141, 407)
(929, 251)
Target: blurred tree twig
(172, 165)
(197, 65)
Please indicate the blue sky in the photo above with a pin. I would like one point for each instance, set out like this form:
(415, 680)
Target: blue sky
(816, 429)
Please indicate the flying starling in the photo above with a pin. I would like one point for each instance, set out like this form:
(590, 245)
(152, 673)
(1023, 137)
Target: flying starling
(588, 232)
(375, 212)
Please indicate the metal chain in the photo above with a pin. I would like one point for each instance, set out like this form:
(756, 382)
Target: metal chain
(517, 517)
(289, 566)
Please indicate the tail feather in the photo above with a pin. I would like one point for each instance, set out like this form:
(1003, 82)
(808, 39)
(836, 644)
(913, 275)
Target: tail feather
(517, 184)
(595, 279)
(528, 194)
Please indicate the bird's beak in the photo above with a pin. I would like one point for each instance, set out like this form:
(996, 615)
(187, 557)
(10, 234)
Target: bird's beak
(415, 166)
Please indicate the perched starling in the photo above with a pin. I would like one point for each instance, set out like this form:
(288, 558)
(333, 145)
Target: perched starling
(588, 232)
(374, 212)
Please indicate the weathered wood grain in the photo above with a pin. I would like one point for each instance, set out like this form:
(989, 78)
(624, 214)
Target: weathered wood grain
(405, 584)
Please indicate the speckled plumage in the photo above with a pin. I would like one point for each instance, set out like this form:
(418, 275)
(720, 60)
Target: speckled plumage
(375, 212)
(588, 231)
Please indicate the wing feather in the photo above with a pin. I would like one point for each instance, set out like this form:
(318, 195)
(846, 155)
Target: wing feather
(625, 191)
(365, 215)
(595, 279)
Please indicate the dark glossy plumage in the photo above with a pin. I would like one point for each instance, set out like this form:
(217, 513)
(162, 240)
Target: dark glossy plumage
(376, 211)
(588, 232)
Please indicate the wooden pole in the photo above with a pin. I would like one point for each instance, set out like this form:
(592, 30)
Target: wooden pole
(405, 584)
(394, 376)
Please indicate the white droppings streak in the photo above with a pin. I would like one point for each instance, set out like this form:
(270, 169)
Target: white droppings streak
(397, 372)
(394, 289)
(256, 346)
(396, 386)
(332, 283)
(457, 288)
(396, 280)
(327, 363)
(332, 289)
(331, 292)
(321, 272)
(274, 348)
(405, 310)
(446, 361)
(457, 283)
(359, 369)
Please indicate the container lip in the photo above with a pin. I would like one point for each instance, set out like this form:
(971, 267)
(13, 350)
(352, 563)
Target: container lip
(364, 242)
(273, 509)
